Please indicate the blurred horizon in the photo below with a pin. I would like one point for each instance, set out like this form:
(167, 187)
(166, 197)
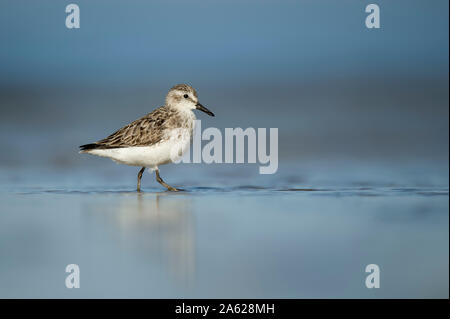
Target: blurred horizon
(336, 90)
(219, 43)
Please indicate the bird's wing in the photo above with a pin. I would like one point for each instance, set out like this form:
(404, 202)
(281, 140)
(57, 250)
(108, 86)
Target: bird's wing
(146, 131)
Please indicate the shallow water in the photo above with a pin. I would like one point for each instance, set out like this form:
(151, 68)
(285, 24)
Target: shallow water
(299, 238)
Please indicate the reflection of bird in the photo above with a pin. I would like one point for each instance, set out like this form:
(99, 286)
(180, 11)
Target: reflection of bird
(160, 228)
(155, 139)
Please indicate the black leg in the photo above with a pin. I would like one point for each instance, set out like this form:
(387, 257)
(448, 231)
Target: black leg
(139, 179)
(159, 179)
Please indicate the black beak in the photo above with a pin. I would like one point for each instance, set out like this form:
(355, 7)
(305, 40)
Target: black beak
(204, 109)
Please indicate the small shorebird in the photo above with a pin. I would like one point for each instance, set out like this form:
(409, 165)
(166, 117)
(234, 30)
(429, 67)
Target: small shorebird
(156, 138)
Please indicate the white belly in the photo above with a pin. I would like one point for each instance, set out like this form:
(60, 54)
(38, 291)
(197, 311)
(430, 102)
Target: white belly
(164, 152)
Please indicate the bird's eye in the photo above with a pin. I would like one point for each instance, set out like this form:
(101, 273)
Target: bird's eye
(186, 96)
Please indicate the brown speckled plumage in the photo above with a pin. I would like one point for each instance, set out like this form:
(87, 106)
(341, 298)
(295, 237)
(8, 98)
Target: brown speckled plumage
(184, 88)
(146, 131)
(149, 129)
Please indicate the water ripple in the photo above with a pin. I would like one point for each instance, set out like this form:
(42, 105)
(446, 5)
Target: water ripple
(248, 189)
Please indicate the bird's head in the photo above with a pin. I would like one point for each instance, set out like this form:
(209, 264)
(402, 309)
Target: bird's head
(184, 97)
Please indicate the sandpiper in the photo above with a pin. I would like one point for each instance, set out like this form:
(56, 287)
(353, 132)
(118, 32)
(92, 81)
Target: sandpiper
(151, 140)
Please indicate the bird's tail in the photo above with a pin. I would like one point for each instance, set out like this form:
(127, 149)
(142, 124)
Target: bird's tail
(89, 147)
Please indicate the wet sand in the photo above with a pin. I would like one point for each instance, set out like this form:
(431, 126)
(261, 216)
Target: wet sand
(293, 240)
